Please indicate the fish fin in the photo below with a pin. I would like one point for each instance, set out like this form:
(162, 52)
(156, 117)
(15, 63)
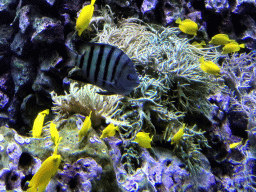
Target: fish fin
(178, 21)
(105, 93)
(242, 46)
(201, 59)
(69, 57)
(81, 46)
(77, 74)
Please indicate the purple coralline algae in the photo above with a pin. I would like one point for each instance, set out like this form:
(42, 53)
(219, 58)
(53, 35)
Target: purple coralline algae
(3, 100)
(80, 176)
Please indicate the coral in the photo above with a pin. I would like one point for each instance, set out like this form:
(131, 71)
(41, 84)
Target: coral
(80, 175)
(84, 100)
(86, 166)
(172, 60)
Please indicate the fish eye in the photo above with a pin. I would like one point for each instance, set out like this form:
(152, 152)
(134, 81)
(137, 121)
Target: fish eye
(129, 77)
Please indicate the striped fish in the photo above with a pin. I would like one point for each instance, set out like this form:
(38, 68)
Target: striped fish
(105, 66)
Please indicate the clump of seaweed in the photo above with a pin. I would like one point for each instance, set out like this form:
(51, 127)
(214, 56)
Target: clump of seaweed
(189, 149)
(168, 59)
(172, 84)
(85, 99)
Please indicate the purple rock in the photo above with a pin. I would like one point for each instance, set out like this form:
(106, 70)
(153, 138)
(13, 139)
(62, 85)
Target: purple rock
(172, 11)
(20, 44)
(47, 31)
(4, 99)
(13, 110)
(50, 2)
(218, 6)
(27, 15)
(6, 36)
(3, 81)
(23, 74)
(13, 151)
(80, 174)
(148, 6)
(243, 6)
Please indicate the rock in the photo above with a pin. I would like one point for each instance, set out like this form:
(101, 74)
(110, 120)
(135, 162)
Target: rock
(4, 100)
(7, 11)
(27, 15)
(23, 75)
(20, 44)
(148, 9)
(218, 6)
(48, 31)
(172, 11)
(6, 36)
(43, 86)
(13, 111)
(81, 175)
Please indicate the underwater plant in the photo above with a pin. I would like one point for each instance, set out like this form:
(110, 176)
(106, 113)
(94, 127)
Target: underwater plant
(85, 99)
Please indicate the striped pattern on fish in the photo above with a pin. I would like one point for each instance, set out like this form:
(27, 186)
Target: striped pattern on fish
(106, 66)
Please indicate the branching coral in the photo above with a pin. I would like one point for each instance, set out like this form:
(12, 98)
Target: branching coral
(240, 78)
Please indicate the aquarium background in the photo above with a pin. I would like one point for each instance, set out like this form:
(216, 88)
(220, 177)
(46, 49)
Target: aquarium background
(188, 126)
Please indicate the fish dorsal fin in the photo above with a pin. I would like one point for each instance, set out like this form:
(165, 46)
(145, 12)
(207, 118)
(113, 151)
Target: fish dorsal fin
(77, 74)
(81, 47)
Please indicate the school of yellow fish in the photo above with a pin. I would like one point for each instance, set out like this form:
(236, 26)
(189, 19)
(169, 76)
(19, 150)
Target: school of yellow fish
(50, 166)
(229, 46)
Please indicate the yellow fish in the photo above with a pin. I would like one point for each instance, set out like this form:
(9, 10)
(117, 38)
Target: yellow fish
(209, 67)
(54, 134)
(234, 145)
(44, 174)
(38, 123)
(232, 47)
(109, 131)
(84, 17)
(176, 138)
(85, 127)
(198, 45)
(220, 39)
(143, 139)
(187, 26)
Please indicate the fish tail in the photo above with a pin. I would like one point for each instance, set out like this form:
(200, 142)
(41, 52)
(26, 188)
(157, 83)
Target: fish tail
(203, 42)
(201, 59)
(178, 21)
(242, 45)
(92, 2)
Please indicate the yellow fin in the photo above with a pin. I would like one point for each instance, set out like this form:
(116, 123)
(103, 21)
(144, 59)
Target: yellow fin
(85, 127)
(143, 139)
(44, 174)
(54, 133)
(109, 131)
(176, 138)
(84, 17)
(38, 123)
(178, 21)
(234, 145)
(209, 67)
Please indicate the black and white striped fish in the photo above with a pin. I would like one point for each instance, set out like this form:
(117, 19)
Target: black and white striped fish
(105, 66)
